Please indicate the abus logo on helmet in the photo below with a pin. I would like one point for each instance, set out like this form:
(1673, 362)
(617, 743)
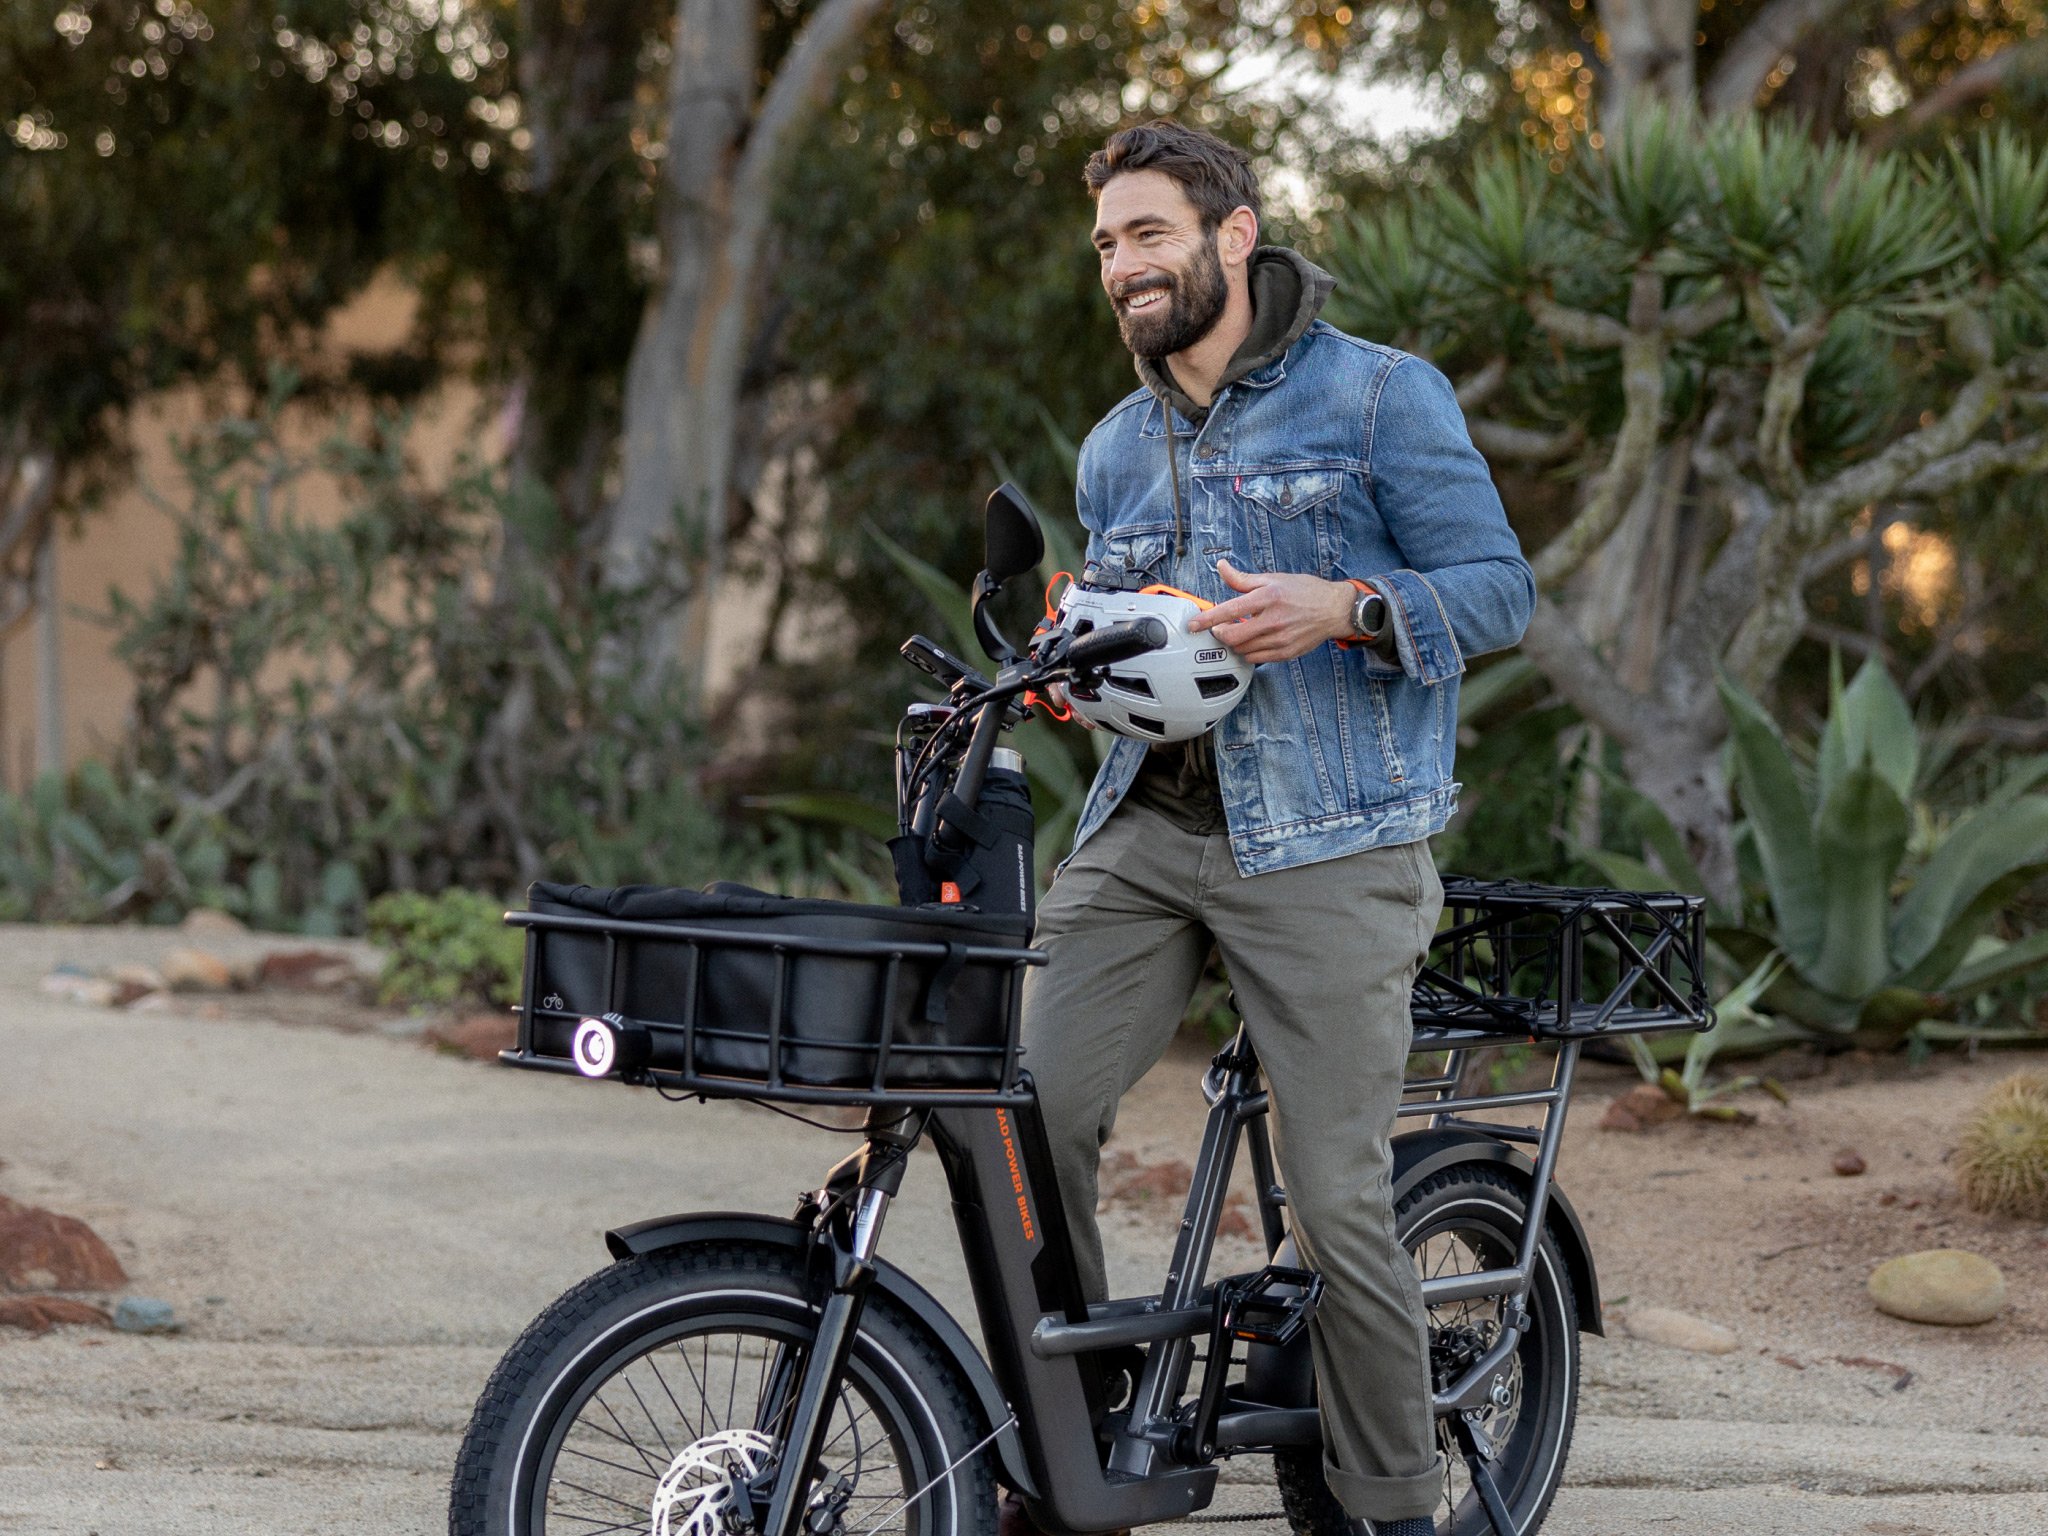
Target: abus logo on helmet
(1205, 657)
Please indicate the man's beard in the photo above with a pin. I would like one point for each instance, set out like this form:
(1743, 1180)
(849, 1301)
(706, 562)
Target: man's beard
(1194, 303)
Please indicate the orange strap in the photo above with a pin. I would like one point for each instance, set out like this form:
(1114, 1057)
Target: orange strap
(1363, 586)
(1160, 589)
(1033, 699)
(1051, 608)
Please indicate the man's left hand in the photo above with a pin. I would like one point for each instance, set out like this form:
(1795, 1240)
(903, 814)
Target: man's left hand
(1279, 615)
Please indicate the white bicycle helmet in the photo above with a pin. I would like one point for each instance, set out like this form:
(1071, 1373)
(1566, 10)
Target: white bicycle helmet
(1172, 694)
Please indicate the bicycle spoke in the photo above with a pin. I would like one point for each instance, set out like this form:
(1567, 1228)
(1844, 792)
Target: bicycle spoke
(856, 1452)
(627, 1434)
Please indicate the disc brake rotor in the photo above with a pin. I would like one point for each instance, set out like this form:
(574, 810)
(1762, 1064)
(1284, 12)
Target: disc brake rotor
(695, 1495)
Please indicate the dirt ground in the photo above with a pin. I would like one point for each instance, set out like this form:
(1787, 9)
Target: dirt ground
(1748, 1226)
(353, 1226)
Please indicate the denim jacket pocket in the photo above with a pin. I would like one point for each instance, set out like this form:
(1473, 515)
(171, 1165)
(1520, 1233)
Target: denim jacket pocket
(1127, 559)
(1291, 518)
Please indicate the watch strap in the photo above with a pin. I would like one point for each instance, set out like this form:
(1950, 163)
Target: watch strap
(1347, 642)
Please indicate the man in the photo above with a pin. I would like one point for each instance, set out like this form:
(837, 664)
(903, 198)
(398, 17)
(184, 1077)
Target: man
(1323, 492)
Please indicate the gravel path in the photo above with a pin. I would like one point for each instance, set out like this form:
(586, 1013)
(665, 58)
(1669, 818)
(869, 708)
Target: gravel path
(354, 1227)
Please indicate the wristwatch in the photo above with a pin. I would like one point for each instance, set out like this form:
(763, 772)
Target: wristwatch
(1368, 614)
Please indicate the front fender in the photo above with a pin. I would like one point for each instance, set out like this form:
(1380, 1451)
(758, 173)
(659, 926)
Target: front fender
(664, 1232)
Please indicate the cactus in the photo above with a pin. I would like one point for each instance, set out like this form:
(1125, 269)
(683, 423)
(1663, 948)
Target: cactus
(2002, 1164)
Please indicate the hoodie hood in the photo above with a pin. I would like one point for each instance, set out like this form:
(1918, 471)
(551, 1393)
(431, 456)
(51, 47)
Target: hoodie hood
(1287, 292)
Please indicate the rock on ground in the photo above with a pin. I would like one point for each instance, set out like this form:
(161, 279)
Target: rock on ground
(1680, 1330)
(1950, 1286)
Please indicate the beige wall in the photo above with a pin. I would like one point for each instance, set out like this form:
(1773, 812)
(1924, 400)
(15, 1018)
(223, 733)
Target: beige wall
(129, 539)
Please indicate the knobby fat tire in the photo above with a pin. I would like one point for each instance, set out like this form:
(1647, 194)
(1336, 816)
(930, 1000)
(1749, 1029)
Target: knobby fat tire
(937, 1414)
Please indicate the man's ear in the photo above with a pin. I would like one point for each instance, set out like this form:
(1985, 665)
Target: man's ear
(1237, 236)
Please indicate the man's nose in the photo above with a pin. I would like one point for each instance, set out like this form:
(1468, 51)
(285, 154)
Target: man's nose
(1124, 264)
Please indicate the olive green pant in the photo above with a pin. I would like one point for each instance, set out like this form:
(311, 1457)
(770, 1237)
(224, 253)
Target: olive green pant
(1322, 957)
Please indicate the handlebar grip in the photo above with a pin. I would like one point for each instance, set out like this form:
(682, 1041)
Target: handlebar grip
(1117, 642)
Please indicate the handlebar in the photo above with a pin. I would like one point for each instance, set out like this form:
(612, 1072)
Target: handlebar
(1116, 642)
(989, 704)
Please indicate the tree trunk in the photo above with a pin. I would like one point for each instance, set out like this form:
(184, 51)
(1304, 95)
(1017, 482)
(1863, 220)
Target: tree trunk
(49, 661)
(1680, 773)
(683, 381)
(1650, 52)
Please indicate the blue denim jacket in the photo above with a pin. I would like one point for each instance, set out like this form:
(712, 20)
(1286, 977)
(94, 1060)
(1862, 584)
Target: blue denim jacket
(1341, 458)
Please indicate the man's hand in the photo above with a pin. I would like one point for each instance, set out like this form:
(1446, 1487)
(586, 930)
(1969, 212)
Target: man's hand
(1281, 615)
(1057, 692)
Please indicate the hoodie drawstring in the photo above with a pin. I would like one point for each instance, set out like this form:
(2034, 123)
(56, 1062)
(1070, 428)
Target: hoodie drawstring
(1180, 543)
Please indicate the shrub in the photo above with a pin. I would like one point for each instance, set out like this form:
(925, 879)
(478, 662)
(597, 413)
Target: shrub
(449, 949)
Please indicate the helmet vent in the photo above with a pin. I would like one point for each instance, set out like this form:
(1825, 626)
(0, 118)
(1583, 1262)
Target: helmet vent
(1148, 726)
(1216, 687)
(1130, 684)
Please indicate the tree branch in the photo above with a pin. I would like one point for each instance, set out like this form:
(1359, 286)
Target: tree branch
(1642, 384)
(1979, 461)
(1684, 678)
(801, 85)
(1881, 476)
(1483, 385)
(1500, 440)
(1577, 672)
(1756, 49)
(1779, 616)
(1977, 79)
(1580, 327)
(1700, 316)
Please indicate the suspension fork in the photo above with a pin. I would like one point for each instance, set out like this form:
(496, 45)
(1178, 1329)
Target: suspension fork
(846, 1240)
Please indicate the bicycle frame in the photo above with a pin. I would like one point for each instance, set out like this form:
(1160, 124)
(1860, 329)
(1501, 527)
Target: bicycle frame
(1152, 1458)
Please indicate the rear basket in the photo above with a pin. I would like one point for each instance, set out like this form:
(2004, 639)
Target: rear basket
(1561, 963)
(732, 993)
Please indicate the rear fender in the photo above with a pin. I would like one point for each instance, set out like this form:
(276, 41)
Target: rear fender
(1419, 1154)
(665, 1232)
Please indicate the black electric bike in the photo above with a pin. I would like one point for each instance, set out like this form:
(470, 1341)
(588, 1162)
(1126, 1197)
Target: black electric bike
(754, 1375)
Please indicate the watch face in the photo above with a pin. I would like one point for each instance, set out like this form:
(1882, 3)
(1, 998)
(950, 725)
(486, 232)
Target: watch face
(1368, 613)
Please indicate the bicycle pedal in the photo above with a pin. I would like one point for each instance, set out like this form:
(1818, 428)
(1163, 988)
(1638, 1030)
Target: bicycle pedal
(1260, 1309)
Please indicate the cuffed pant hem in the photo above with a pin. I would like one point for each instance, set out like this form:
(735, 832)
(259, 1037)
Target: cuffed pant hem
(1387, 1498)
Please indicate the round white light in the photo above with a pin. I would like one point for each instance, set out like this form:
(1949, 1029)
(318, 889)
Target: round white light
(596, 1048)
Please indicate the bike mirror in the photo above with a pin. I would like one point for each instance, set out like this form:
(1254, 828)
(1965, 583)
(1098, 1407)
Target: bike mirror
(1013, 542)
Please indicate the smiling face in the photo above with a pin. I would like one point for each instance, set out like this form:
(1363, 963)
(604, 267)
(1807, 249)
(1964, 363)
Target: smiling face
(1160, 267)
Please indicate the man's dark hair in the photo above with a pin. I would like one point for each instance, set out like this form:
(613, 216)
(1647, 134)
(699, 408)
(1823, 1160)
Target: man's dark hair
(1216, 176)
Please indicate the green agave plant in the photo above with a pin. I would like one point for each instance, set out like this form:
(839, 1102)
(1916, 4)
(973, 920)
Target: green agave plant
(1875, 941)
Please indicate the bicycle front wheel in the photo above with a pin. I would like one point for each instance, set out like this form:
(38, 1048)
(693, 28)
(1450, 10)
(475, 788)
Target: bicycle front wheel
(647, 1399)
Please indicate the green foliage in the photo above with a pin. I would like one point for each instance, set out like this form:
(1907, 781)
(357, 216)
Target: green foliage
(449, 949)
(375, 702)
(1738, 1027)
(1873, 249)
(93, 847)
(1878, 942)
(192, 188)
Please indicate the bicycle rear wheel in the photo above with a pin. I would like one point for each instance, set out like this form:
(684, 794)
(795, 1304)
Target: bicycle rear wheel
(1469, 1217)
(649, 1396)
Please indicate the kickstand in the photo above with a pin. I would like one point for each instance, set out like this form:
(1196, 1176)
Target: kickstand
(1478, 1455)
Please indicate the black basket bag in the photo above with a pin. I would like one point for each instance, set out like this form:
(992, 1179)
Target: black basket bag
(735, 991)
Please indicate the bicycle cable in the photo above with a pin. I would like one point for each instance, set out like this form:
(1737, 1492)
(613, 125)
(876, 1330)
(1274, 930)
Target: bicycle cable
(787, 1114)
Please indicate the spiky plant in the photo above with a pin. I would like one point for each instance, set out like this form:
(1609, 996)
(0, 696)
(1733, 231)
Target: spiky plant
(2002, 1165)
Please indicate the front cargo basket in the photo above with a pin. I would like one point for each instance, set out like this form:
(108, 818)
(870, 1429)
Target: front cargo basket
(732, 993)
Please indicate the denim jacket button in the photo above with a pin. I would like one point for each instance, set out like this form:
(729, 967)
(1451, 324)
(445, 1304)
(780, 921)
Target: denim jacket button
(1206, 451)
